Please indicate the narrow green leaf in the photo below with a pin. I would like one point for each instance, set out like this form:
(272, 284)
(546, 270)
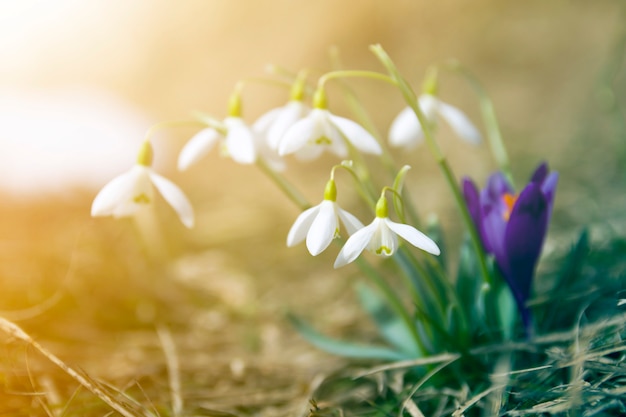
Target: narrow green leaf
(469, 284)
(435, 232)
(398, 183)
(342, 348)
(390, 326)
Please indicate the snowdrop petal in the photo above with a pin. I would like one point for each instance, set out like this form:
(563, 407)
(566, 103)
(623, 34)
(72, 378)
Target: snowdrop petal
(323, 229)
(240, 141)
(175, 197)
(460, 123)
(197, 147)
(384, 241)
(114, 193)
(356, 244)
(264, 123)
(429, 105)
(289, 115)
(414, 237)
(297, 136)
(357, 135)
(301, 226)
(141, 195)
(351, 223)
(309, 152)
(405, 129)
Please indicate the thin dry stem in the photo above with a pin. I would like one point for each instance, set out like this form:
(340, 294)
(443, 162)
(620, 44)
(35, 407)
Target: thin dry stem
(15, 331)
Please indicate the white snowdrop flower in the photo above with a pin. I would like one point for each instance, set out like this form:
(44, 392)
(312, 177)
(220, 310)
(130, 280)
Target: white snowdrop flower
(238, 143)
(319, 225)
(130, 192)
(381, 237)
(273, 124)
(405, 130)
(321, 129)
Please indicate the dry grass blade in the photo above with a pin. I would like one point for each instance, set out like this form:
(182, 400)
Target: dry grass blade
(173, 369)
(16, 332)
(469, 403)
(446, 357)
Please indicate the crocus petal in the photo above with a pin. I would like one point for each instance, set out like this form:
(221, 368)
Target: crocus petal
(472, 198)
(301, 226)
(296, 136)
(497, 186)
(356, 244)
(197, 147)
(540, 174)
(323, 229)
(175, 197)
(115, 191)
(549, 189)
(405, 129)
(289, 115)
(492, 229)
(414, 237)
(351, 223)
(240, 141)
(523, 240)
(460, 123)
(357, 135)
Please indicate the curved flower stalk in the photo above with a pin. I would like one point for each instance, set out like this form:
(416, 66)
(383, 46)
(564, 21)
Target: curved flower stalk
(513, 227)
(129, 193)
(405, 130)
(320, 224)
(237, 142)
(381, 237)
(321, 130)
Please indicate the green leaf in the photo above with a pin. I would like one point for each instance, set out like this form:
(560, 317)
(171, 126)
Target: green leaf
(342, 348)
(435, 232)
(389, 324)
(398, 183)
(469, 285)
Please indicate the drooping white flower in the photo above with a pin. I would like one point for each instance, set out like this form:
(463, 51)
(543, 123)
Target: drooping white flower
(276, 122)
(237, 143)
(406, 131)
(319, 225)
(381, 237)
(321, 129)
(130, 192)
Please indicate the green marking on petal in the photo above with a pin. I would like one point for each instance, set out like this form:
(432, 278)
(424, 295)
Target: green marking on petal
(323, 140)
(141, 199)
(385, 249)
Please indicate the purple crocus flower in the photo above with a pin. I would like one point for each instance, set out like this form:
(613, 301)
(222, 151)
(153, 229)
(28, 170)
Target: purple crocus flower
(512, 227)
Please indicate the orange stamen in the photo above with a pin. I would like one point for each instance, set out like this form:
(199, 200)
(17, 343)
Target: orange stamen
(509, 201)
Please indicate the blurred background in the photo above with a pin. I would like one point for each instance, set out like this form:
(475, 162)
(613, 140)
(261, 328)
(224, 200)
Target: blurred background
(81, 82)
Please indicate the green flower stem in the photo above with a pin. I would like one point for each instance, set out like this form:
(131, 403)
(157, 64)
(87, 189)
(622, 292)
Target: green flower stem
(411, 100)
(415, 274)
(365, 191)
(390, 165)
(394, 301)
(491, 122)
(290, 191)
(354, 74)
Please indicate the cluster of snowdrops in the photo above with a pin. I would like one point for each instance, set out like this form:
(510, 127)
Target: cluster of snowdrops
(486, 300)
